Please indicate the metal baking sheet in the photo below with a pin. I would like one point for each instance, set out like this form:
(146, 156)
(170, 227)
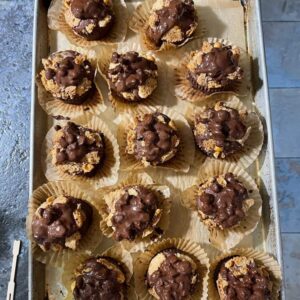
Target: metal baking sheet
(243, 29)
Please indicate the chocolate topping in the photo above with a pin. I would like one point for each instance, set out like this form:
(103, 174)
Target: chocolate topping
(174, 279)
(90, 13)
(254, 285)
(74, 144)
(156, 141)
(57, 222)
(68, 72)
(224, 127)
(134, 212)
(223, 204)
(97, 281)
(218, 64)
(179, 13)
(130, 72)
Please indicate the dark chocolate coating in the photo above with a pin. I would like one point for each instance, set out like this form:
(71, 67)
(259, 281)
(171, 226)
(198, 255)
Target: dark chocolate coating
(154, 139)
(68, 73)
(97, 282)
(133, 214)
(224, 204)
(217, 64)
(179, 13)
(91, 12)
(223, 126)
(173, 279)
(132, 71)
(74, 144)
(58, 223)
(252, 286)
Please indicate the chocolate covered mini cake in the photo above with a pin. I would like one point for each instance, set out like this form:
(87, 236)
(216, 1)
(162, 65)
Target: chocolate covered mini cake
(214, 68)
(60, 222)
(241, 278)
(132, 77)
(220, 131)
(223, 201)
(134, 213)
(100, 278)
(77, 150)
(91, 19)
(68, 76)
(171, 21)
(153, 140)
(172, 274)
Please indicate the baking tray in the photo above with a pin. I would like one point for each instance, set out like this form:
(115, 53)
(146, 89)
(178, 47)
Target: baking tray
(44, 280)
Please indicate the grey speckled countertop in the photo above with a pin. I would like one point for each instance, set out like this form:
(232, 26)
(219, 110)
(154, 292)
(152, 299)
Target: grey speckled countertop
(16, 19)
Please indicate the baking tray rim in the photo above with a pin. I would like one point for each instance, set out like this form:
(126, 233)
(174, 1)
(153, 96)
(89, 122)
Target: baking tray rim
(271, 157)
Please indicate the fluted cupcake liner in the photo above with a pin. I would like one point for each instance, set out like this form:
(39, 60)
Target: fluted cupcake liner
(262, 258)
(149, 235)
(158, 97)
(138, 22)
(89, 241)
(182, 160)
(252, 145)
(107, 172)
(117, 34)
(142, 261)
(115, 252)
(185, 91)
(227, 238)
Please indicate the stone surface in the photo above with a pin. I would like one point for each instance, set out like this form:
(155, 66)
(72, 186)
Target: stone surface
(280, 10)
(291, 253)
(285, 108)
(282, 55)
(288, 189)
(15, 78)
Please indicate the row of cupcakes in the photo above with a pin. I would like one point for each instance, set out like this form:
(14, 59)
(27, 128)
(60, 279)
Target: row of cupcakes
(66, 218)
(173, 269)
(68, 85)
(86, 150)
(162, 23)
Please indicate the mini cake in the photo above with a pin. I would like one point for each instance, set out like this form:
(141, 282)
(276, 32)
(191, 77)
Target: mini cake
(68, 76)
(132, 77)
(91, 19)
(223, 201)
(60, 222)
(172, 274)
(134, 213)
(77, 150)
(241, 278)
(154, 139)
(100, 278)
(220, 131)
(214, 68)
(171, 21)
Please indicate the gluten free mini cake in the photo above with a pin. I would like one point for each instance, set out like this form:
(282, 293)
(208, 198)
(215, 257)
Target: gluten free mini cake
(68, 76)
(171, 22)
(91, 19)
(242, 278)
(100, 277)
(223, 201)
(153, 140)
(172, 274)
(220, 131)
(132, 76)
(77, 150)
(171, 269)
(215, 67)
(60, 222)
